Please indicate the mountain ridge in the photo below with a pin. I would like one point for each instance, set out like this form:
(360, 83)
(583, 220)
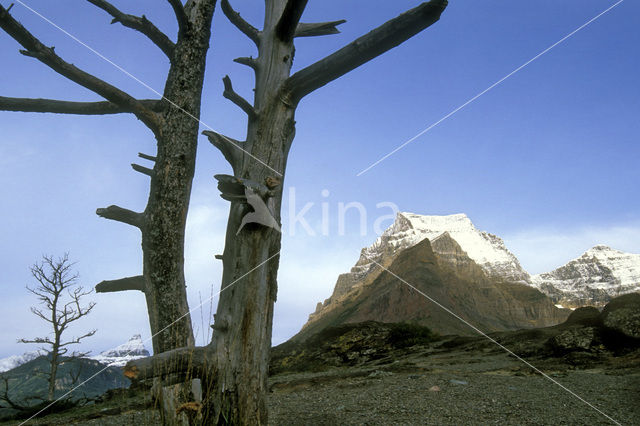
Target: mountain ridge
(116, 357)
(445, 273)
(455, 241)
(594, 278)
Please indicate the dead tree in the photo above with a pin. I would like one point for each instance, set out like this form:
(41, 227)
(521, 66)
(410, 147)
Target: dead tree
(173, 120)
(59, 293)
(233, 366)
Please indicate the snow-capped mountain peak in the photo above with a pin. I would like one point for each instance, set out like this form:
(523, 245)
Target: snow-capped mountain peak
(116, 357)
(120, 355)
(13, 361)
(597, 275)
(486, 249)
(409, 229)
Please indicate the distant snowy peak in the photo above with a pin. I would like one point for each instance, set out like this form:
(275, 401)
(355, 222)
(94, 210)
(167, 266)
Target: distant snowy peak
(116, 357)
(486, 249)
(120, 355)
(13, 361)
(598, 275)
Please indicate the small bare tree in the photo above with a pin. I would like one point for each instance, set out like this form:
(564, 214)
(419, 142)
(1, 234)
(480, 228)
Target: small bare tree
(60, 295)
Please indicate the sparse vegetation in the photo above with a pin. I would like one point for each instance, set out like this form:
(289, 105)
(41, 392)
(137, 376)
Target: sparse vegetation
(403, 335)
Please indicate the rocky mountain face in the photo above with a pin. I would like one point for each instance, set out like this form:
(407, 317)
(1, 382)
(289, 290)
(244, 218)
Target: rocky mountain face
(594, 278)
(120, 355)
(487, 250)
(442, 270)
(470, 272)
(589, 337)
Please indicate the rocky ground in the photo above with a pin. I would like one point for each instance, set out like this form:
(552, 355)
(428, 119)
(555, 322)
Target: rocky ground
(379, 374)
(461, 387)
(471, 383)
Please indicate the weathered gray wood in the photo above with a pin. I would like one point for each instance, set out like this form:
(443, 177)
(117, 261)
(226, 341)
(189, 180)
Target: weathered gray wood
(236, 394)
(230, 148)
(235, 18)
(286, 27)
(230, 94)
(245, 309)
(123, 284)
(250, 259)
(318, 29)
(248, 61)
(141, 24)
(196, 360)
(69, 107)
(385, 37)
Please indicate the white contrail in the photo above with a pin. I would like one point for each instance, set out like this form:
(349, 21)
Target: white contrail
(488, 89)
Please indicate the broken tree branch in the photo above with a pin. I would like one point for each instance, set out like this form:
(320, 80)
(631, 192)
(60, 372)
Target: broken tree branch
(146, 157)
(245, 27)
(77, 340)
(46, 55)
(230, 94)
(286, 27)
(318, 29)
(250, 62)
(122, 215)
(123, 284)
(385, 37)
(230, 148)
(141, 24)
(141, 169)
(181, 16)
(195, 361)
(68, 107)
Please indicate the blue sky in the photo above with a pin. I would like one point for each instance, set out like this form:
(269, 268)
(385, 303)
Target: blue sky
(548, 159)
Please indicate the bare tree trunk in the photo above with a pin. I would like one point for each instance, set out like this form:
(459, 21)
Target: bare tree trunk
(242, 348)
(53, 371)
(166, 213)
(242, 334)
